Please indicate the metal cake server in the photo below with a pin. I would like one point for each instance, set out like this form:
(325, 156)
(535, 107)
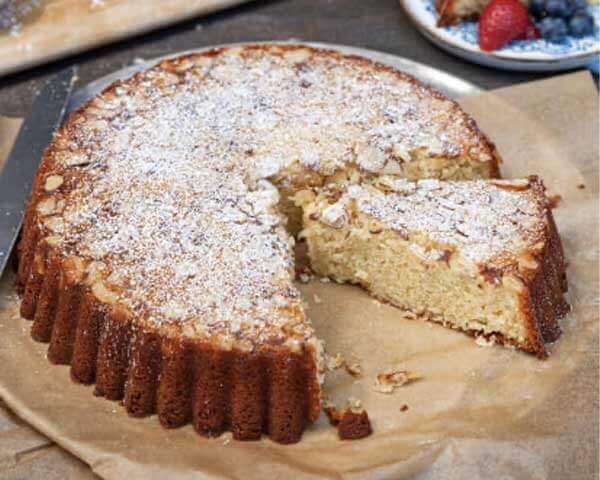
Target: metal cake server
(16, 178)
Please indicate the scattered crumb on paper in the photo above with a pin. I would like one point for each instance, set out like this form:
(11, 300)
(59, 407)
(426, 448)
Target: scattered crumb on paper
(484, 342)
(354, 369)
(334, 362)
(388, 381)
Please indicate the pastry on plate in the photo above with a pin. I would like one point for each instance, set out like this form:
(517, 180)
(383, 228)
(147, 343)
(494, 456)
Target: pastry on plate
(157, 248)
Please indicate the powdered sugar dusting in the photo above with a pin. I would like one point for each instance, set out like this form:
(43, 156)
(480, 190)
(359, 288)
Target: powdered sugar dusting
(489, 221)
(168, 175)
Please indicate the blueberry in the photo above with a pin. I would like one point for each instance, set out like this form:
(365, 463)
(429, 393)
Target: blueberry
(559, 8)
(580, 12)
(538, 8)
(579, 5)
(553, 29)
(581, 25)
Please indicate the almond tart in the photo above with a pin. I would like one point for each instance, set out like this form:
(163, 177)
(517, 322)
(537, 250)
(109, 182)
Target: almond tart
(156, 255)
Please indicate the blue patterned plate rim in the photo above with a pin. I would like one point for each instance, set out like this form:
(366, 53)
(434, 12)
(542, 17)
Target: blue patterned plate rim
(464, 37)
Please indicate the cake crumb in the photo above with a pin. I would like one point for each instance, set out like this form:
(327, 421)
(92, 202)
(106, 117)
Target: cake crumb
(303, 274)
(388, 381)
(404, 408)
(354, 403)
(325, 280)
(554, 200)
(304, 278)
(333, 363)
(317, 299)
(484, 342)
(352, 423)
(354, 369)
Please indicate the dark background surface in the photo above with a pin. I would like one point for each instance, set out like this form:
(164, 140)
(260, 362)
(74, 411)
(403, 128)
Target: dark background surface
(376, 24)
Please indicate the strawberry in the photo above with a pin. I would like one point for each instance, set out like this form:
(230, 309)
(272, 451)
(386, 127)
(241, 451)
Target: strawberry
(503, 21)
(531, 32)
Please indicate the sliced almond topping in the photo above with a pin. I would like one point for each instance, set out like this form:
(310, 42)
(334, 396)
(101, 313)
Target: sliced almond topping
(401, 151)
(92, 112)
(53, 241)
(47, 206)
(202, 60)
(95, 270)
(53, 182)
(298, 55)
(392, 167)
(184, 65)
(96, 124)
(516, 185)
(72, 159)
(55, 224)
(166, 78)
(370, 158)
(102, 293)
(335, 215)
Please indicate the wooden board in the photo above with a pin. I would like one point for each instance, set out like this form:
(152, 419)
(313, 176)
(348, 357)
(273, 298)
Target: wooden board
(65, 27)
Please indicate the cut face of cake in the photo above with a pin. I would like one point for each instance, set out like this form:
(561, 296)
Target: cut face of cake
(482, 256)
(156, 254)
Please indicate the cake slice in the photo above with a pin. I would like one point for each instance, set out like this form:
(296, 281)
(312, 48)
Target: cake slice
(483, 256)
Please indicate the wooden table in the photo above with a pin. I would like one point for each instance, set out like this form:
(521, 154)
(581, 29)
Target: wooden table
(377, 24)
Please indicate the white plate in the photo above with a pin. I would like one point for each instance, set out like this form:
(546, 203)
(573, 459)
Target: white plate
(530, 55)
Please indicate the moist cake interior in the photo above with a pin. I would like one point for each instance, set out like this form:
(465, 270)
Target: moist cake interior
(453, 252)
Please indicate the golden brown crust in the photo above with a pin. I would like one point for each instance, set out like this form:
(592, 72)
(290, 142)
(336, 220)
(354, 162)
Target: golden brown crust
(269, 389)
(544, 301)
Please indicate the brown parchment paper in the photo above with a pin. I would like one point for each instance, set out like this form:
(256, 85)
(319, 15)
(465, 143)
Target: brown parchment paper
(477, 413)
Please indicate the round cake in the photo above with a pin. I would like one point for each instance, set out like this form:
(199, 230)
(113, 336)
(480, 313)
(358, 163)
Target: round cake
(157, 249)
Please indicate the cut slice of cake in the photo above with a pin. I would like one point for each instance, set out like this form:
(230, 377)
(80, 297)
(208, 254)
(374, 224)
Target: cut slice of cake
(481, 256)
